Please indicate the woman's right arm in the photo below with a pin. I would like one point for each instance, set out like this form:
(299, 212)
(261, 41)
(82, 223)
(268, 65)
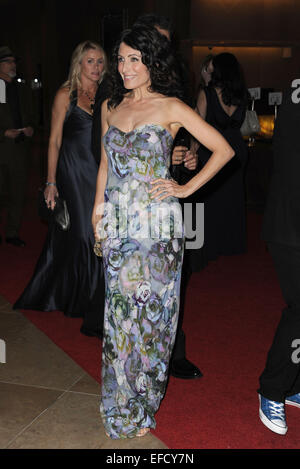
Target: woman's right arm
(59, 109)
(201, 106)
(102, 175)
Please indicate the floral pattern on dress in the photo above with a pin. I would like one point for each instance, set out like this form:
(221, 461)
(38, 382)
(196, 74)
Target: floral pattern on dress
(142, 258)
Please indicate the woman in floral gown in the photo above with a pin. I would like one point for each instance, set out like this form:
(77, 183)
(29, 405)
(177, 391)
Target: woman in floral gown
(138, 219)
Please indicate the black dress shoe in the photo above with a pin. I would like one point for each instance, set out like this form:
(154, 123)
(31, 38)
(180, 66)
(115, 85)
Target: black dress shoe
(91, 333)
(184, 369)
(16, 242)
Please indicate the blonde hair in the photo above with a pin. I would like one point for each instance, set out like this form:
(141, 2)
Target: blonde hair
(73, 82)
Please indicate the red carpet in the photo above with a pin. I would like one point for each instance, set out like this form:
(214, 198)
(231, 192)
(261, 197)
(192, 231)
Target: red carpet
(232, 310)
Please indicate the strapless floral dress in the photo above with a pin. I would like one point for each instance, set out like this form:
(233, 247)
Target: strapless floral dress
(142, 258)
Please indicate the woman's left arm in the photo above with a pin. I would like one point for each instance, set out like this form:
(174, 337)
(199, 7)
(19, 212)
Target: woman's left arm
(205, 134)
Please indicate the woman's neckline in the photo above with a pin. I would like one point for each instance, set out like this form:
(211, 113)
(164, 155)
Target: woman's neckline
(140, 127)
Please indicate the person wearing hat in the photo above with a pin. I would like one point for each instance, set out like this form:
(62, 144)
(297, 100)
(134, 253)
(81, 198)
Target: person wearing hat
(16, 130)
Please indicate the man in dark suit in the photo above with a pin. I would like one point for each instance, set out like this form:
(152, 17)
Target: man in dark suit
(280, 380)
(16, 130)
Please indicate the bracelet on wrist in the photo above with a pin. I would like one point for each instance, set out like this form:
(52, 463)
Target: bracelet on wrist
(50, 183)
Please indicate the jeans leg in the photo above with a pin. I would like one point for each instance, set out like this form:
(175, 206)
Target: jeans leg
(281, 375)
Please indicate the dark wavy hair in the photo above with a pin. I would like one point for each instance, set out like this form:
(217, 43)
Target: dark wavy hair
(228, 75)
(159, 58)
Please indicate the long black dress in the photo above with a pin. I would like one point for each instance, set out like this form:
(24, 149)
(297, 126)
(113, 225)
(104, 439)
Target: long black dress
(224, 195)
(68, 276)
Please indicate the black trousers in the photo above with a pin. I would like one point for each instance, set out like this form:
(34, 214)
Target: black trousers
(281, 376)
(13, 178)
(179, 346)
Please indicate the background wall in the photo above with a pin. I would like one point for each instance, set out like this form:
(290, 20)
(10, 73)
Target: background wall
(258, 32)
(45, 32)
(242, 20)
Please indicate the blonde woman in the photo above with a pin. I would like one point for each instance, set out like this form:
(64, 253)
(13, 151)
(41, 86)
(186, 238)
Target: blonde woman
(68, 276)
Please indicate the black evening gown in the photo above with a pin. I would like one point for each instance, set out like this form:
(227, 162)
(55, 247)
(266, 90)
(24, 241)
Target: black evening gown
(68, 276)
(224, 195)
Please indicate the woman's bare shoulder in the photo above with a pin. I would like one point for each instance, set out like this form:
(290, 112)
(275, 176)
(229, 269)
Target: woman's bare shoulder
(63, 93)
(61, 100)
(174, 106)
(62, 97)
(175, 102)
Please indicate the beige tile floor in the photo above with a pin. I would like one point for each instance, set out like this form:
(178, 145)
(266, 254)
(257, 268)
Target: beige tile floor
(47, 401)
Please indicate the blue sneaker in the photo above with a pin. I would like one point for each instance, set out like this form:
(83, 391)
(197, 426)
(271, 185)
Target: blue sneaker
(272, 415)
(293, 400)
